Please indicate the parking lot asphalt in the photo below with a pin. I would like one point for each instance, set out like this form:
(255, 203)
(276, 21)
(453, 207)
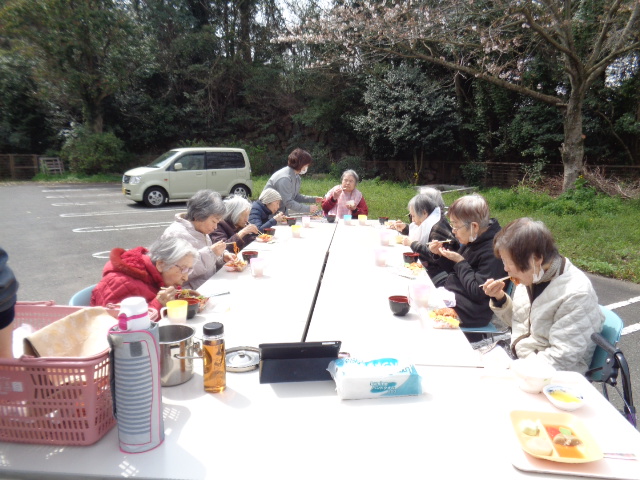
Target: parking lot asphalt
(58, 237)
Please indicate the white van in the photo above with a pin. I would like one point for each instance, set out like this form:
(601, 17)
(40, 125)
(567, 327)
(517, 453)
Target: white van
(179, 173)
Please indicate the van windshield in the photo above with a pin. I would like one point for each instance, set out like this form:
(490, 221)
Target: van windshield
(164, 159)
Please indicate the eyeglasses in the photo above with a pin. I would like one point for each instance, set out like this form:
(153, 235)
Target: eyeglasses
(183, 270)
(456, 228)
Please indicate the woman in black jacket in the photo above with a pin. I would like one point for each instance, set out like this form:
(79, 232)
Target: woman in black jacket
(8, 297)
(475, 262)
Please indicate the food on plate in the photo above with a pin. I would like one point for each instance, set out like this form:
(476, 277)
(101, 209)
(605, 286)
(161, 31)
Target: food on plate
(415, 267)
(565, 441)
(539, 446)
(264, 237)
(445, 318)
(236, 265)
(185, 293)
(563, 396)
(529, 427)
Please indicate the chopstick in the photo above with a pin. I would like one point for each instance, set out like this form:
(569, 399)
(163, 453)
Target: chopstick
(438, 241)
(498, 280)
(218, 294)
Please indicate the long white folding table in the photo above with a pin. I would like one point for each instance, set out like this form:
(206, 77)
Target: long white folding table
(353, 306)
(459, 428)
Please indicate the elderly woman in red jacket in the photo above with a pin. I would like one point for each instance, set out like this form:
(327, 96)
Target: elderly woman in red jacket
(154, 274)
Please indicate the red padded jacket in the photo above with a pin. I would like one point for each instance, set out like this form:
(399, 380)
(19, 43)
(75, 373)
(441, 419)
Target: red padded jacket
(128, 273)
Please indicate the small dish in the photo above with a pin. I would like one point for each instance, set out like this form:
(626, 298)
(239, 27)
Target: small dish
(399, 305)
(248, 255)
(291, 220)
(564, 398)
(533, 375)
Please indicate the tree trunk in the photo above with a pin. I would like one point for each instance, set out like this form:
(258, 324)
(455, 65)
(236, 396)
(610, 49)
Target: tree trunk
(572, 149)
(93, 117)
(244, 6)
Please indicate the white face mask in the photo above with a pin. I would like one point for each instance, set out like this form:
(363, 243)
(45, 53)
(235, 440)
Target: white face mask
(537, 276)
(304, 170)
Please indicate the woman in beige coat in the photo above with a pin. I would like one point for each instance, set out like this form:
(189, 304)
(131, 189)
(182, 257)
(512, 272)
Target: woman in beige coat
(554, 309)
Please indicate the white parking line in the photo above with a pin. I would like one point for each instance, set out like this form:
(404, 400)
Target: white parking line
(104, 254)
(624, 303)
(629, 328)
(83, 204)
(112, 228)
(56, 190)
(132, 212)
(93, 195)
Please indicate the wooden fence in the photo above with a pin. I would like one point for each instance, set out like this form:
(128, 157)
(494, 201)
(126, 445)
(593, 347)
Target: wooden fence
(498, 174)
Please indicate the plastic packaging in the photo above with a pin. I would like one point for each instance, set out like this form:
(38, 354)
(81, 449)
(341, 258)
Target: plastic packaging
(383, 377)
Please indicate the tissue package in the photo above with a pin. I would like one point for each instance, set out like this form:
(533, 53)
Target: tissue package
(384, 377)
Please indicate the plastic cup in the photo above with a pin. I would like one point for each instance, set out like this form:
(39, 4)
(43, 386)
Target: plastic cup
(381, 257)
(362, 219)
(386, 237)
(347, 219)
(175, 311)
(257, 266)
(306, 221)
(295, 231)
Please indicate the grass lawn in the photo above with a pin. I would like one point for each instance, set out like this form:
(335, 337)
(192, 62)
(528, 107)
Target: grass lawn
(598, 233)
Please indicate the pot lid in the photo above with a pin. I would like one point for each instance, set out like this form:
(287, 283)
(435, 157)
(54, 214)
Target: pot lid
(242, 359)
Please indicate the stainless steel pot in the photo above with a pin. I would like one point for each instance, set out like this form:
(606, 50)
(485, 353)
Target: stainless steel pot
(177, 352)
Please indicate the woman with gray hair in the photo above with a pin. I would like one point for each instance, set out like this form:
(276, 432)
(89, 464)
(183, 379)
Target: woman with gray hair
(474, 263)
(205, 209)
(345, 199)
(155, 274)
(429, 224)
(235, 227)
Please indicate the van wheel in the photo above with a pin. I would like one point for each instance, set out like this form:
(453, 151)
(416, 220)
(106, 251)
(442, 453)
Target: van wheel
(155, 197)
(241, 191)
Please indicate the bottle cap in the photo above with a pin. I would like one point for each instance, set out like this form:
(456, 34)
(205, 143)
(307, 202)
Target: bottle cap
(213, 328)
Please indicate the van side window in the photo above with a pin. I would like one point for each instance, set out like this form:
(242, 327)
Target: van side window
(218, 160)
(191, 161)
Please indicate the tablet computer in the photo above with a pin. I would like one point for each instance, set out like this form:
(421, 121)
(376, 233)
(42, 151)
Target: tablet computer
(296, 361)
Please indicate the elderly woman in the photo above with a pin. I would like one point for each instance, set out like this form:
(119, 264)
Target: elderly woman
(554, 309)
(429, 224)
(263, 211)
(154, 274)
(345, 199)
(8, 298)
(205, 209)
(474, 263)
(234, 227)
(286, 182)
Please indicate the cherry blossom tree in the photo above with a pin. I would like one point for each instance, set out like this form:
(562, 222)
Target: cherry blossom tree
(490, 40)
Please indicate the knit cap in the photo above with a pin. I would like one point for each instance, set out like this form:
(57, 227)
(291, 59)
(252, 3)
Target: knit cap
(269, 195)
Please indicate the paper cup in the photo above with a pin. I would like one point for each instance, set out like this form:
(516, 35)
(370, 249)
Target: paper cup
(257, 267)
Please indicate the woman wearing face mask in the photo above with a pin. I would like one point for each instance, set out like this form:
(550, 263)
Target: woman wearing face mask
(554, 309)
(286, 182)
(474, 263)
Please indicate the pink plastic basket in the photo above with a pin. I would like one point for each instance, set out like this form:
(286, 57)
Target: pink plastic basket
(55, 401)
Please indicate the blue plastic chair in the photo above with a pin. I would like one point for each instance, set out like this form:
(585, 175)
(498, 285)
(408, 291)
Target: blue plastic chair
(611, 331)
(82, 298)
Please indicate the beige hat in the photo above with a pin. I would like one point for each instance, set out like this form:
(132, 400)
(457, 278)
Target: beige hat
(269, 195)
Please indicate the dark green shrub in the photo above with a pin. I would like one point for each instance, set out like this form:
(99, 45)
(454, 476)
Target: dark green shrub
(93, 153)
